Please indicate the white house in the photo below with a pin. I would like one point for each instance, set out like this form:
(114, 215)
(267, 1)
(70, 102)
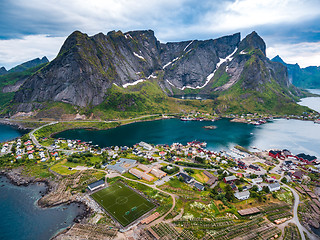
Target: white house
(257, 180)
(242, 195)
(274, 187)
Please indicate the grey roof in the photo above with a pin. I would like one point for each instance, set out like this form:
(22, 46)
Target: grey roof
(199, 186)
(96, 184)
(273, 185)
(117, 168)
(242, 194)
(119, 165)
(186, 177)
(230, 178)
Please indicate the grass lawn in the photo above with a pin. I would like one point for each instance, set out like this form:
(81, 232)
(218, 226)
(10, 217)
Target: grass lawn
(199, 176)
(122, 203)
(62, 167)
(275, 175)
(285, 195)
(253, 202)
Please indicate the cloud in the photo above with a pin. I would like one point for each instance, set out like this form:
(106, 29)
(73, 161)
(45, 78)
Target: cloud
(277, 21)
(17, 51)
(305, 53)
(241, 14)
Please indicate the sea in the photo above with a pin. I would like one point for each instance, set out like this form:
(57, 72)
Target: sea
(22, 219)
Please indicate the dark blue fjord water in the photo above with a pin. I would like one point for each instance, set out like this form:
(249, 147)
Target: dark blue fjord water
(297, 136)
(22, 219)
(9, 132)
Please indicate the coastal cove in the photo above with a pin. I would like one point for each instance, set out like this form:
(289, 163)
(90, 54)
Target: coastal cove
(21, 217)
(9, 132)
(298, 136)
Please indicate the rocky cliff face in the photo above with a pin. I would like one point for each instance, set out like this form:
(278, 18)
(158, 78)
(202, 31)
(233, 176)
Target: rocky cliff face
(86, 68)
(189, 64)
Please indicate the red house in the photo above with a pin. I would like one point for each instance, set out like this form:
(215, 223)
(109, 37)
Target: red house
(276, 154)
(306, 158)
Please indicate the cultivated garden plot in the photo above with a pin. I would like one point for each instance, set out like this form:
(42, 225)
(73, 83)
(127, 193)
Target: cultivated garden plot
(122, 203)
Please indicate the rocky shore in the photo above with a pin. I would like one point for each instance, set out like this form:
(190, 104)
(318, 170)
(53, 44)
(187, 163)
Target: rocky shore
(16, 124)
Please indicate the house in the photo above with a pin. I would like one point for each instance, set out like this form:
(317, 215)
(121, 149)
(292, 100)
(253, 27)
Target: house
(123, 165)
(199, 186)
(230, 179)
(274, 187)
(242, 165)
(95, 185)
(186, 177)
(254, 167)
(146, 146)
(298, 174)
(144, 168)
(270, 180)
(162, 154)
(158, 173)
(242, 195)
(257, 180)
(212, 179)
(287, 153)
(276, 154)
(306, 158)
(141, 175)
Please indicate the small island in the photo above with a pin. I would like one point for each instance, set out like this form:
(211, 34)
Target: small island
(211, 127)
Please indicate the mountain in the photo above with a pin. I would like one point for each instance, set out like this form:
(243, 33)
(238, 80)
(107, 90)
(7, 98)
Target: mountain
(29, 64)
(119, 72)
(3, 71)
(308, 77)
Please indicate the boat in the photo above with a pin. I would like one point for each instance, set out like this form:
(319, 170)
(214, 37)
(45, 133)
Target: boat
(317, 121)
(186, 119)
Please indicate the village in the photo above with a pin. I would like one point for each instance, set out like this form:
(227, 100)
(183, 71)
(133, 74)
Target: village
(239, 183)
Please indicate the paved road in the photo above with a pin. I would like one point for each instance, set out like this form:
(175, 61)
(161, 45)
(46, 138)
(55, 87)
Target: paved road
(296, 218)
(34, 139)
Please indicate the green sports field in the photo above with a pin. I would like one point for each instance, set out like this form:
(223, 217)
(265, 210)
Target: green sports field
(122, 203)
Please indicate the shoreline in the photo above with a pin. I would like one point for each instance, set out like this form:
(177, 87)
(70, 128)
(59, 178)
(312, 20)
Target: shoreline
(16, 178)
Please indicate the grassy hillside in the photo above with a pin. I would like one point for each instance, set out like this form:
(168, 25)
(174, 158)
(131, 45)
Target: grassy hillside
(143, 99)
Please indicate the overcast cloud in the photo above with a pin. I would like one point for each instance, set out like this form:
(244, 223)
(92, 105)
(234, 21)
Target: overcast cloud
(35, 28)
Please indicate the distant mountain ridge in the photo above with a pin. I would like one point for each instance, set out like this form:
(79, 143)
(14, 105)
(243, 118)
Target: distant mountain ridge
(93, 72)
(308, 77)
(24, 66)
(3, 71)
(29, 64)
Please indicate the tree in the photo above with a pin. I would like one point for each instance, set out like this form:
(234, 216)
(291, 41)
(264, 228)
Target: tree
(254, 188)
(274, 195)
(284, 180)
(266, 189)
(199, 159)
(229, 193)
(240, 189)
(189, 170)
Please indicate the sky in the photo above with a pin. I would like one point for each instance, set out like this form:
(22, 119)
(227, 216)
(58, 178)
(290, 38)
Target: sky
(36, 28)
